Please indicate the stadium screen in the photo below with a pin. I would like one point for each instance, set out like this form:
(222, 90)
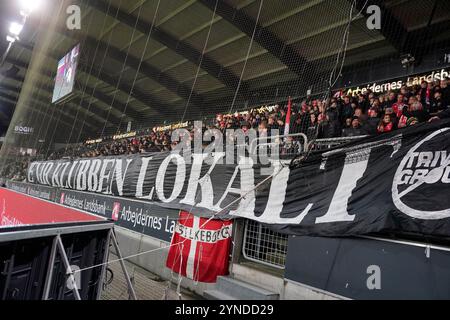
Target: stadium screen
(65, 77)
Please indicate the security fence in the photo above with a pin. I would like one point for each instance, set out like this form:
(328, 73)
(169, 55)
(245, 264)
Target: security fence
(263, 245)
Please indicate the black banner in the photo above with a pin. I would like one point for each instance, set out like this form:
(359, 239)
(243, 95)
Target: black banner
(138, 216)
(397, 182)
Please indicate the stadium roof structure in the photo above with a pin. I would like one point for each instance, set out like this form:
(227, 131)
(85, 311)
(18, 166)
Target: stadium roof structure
(150, 62)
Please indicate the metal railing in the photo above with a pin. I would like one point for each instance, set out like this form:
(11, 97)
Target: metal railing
(264, 246)
(261, 244)
(323, 144)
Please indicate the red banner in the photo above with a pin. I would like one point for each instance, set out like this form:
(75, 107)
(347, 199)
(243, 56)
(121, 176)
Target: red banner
(200, 248)
(17, 209)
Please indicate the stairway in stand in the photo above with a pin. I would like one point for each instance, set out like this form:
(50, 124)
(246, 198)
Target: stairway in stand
(228, 288)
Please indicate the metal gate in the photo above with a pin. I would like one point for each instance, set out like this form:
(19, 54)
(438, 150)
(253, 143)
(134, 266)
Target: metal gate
(264, 246)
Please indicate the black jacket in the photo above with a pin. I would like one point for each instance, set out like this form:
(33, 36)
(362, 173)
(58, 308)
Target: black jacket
(352, 132)
(444, 114)
(371, 125)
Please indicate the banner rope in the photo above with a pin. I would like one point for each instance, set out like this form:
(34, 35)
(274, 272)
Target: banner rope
(200, 62)
(144, 51)
(246, 58)
(108, 44)
(183, 241)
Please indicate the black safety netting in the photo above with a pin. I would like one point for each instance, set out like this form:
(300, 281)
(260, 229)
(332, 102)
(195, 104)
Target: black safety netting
(143, 67)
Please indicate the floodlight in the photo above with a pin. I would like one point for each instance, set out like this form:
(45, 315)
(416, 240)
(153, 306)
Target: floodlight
(15, 28)
(28, 6)
(10, 39)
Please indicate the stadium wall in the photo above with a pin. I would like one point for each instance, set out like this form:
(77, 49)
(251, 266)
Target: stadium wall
(316, 268)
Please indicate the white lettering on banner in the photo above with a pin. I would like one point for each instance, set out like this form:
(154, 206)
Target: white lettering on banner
(93, 174)
(277, 195)
(179, 178)
(30, 175)
(81, 175)
(56, 172)
(119, 176)
(69, 177)
(246, 206)
(47, 170)
(61, 174)
(396, 85)
(207, 192)
(139, 218)
(352, 172)
(141, 179)
(439, 170)
(105, 174)
(355, 166)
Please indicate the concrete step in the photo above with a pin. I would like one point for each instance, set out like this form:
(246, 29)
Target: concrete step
(216, 295)
(242, 290)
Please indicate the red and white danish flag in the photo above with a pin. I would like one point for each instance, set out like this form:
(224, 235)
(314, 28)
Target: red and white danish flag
(200, 248)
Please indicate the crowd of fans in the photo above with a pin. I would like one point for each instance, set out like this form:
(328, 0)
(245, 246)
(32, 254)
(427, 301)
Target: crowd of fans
(341, 116)
(348, 116)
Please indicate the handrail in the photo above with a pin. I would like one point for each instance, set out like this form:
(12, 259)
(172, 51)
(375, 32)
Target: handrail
(305, 138)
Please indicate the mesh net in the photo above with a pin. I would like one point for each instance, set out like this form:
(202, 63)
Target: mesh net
(145, 67)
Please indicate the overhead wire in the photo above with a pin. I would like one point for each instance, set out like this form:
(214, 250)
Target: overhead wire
(105, 19)
(122, 70)
(144, 51)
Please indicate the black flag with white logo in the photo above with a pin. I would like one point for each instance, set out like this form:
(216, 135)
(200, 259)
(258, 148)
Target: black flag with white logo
(397, 182)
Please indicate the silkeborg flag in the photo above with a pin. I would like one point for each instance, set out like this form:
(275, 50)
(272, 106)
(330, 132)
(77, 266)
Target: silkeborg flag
(200, 248)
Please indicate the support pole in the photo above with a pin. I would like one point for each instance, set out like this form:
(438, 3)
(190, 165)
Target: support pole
(51, 265)
(65, 260)
(124, 269)
(105, 264)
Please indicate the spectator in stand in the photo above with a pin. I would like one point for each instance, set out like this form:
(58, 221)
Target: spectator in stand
(423, 92)
(360, 115)
(445, 91)
(371, 125)
(391, 99)
(386, 125)
(399, 105)
(346, 109)
(312, 125)
(363, 103)
(347, 125)
(437, 105)
(355, 130)
(417, 110)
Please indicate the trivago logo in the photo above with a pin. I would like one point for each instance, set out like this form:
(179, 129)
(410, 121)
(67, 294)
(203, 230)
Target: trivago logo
(422, 181)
